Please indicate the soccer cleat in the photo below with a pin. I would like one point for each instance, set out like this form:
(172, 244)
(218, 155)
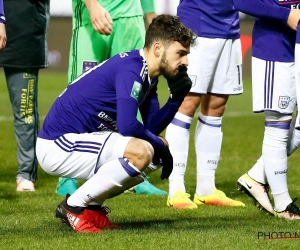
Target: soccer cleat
(181, 200)
(258, 192)
(66, 186)
(99, 216)
(292, 212)
(217, 198)
(24, 185)
(78, 218)
(146, 187)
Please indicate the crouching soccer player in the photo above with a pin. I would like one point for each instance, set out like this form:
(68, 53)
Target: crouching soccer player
(91, 132)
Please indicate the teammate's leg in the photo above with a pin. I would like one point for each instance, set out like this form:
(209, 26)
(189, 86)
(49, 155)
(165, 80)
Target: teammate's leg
(272, 167)
(178, 135)
(224, 81)
(22, 86)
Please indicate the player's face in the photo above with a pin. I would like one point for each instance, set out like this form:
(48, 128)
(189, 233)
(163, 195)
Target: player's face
(174, 56)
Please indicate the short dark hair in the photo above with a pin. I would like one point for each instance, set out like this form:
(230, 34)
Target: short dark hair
(167, 29)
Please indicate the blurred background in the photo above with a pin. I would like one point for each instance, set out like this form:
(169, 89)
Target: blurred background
(60, 31)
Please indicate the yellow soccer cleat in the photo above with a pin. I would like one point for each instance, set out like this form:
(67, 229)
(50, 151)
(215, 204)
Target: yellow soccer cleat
(181, 200)
(217, 198)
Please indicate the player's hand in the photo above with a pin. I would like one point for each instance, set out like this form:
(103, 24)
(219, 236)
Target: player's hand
(2, 36)
(100, 17)
(165, 156)
(180, 85)
(294, 18)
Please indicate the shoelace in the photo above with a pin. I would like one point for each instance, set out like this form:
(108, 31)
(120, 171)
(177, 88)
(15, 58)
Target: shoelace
(106, 209)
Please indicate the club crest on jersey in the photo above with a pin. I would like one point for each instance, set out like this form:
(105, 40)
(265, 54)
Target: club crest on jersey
(136, 89)
(193, 79)
(283, 102)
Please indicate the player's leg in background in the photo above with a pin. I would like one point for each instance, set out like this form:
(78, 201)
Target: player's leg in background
(276, 138)
(224, 81)
(178, 131)
(178, 137)
(22, 86)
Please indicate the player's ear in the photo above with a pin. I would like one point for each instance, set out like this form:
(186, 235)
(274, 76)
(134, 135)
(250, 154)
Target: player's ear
(157, 48)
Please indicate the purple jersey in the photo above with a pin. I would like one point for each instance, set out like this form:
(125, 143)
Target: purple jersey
(211, 19)
(273, 39)
(298, 34)
(2, 16)
(107, 97)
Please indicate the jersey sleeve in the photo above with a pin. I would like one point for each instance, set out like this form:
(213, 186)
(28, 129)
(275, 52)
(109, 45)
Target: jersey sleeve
(127, 88)
(2, 15)
(154, 118)
(262, 8)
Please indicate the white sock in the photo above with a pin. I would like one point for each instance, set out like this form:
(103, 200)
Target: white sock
(274, 155)
(110, 176)
(133, 181)
(257, 172)
(282, 201)
(294, 138)
(208, 142)
(178, 135)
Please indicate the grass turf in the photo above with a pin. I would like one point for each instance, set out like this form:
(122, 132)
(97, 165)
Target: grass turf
(28, 222)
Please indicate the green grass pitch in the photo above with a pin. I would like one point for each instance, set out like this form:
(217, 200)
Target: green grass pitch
(27, 219)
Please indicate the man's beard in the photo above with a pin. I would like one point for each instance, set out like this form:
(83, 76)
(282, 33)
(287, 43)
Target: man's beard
(165, 67)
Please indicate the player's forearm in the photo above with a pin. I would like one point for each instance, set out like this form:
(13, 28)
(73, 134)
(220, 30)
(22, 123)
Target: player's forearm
(160, 119)
(260, 8)
(128, 125)
(90, 3)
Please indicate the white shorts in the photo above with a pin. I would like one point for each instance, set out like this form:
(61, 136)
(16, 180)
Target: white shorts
(215, 66)
(297, 80)
(273, 86)
(79, 155)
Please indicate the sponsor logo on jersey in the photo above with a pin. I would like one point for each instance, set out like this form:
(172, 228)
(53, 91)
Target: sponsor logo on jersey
(283, 102)
(107, 123)
(295, 4)
(136, 89)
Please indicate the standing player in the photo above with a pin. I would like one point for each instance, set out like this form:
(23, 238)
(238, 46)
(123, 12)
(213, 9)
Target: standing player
(102, 29)
(216, 72)
(274, 93)
(91, 132)
(24, 55)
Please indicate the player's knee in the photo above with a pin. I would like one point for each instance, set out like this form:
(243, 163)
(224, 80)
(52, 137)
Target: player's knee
(214, 105)
(190, 104)
(139, 153)
(277, 117)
